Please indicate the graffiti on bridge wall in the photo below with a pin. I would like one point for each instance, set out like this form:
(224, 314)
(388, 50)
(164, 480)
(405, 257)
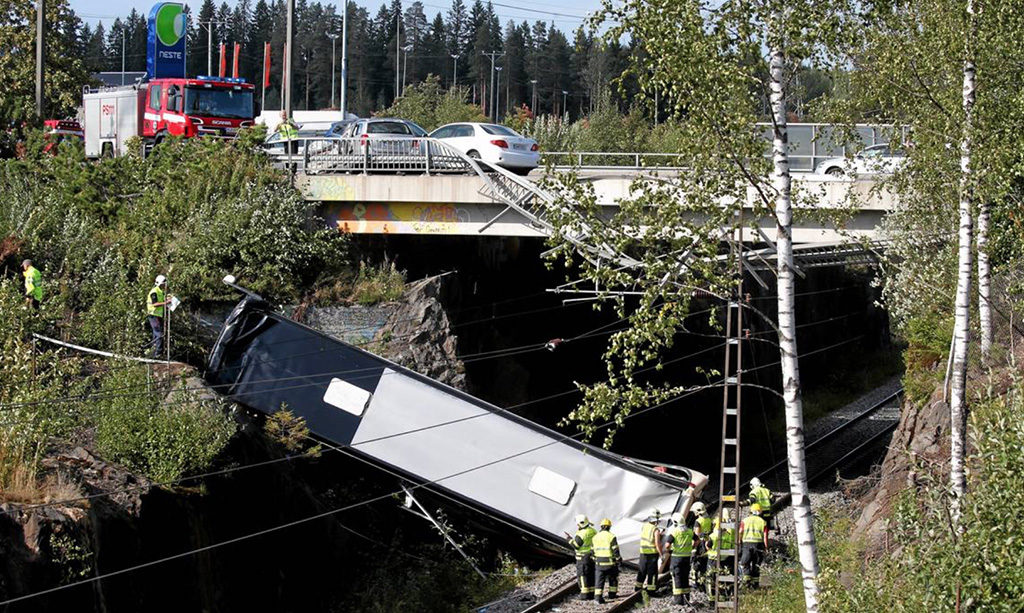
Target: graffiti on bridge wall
(396, 218)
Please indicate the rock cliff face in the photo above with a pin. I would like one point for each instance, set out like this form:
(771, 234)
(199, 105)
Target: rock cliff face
(922, 435)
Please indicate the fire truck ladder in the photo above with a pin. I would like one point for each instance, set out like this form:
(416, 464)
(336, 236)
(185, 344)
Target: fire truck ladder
(726, 577)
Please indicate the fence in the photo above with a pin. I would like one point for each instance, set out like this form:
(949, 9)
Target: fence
(385, 154)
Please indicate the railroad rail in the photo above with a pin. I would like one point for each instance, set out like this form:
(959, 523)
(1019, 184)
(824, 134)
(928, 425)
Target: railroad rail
(562, 598)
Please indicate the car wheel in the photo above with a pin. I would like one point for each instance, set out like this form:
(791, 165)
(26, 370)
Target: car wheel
(835, 171)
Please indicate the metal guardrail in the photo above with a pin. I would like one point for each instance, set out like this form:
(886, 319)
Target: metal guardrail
(385, 154)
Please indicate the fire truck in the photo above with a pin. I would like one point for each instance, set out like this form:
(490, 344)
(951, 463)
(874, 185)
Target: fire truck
(204, 106)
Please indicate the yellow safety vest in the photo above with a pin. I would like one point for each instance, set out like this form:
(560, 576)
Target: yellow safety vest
(763, 497)
(727, 539)
(753, 529)
(288, 130)
(704, 523)
(606, 548)
(682, 541)
(155, 295)
(33, 282)
(647, 538)
(586, 535)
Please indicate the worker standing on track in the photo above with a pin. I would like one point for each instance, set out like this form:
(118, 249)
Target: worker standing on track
(702, 532)
(650, 553)
(156, 300)
(606, 561)
(754, 534)
(681, 541)
(763, 497)
(583, 544)
(33, 284)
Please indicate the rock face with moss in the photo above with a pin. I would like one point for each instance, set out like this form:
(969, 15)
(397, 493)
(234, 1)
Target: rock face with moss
(414, 331)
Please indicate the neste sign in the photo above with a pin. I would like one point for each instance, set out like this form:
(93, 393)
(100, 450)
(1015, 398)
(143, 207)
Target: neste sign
(165, 49)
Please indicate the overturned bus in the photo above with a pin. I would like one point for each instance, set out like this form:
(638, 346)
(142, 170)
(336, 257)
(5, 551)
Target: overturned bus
(511, 471)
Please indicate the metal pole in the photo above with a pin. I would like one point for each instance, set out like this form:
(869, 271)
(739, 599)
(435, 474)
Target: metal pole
(508, 89)
(122, 55)
(565, 111)
(455, 70)
(290, 30)
(333, 38)
(534, 105)
(398, 50)
(497, 93)
(40, 54)
(167, 312)
(344, 61)
(263, 80)
(209, 47)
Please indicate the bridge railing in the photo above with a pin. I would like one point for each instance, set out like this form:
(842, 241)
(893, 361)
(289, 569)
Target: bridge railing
(384, 153)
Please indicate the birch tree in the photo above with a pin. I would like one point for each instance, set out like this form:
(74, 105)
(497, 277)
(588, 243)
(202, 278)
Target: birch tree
(707, 60)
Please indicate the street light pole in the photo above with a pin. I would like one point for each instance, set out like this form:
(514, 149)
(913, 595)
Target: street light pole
(344, 61)
(398, 51)
(289, 31)
(534, 105)
(122, 55)
(405, 64)
(565, 111)
(493, 55)
(333, 38)
(455, 69)
(497, 93)
(40, 54)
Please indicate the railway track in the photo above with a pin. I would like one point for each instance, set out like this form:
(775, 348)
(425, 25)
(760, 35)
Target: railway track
(840, 440)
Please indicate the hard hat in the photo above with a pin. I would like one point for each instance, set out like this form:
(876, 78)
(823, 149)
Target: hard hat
(726, 514)
(755, 482)
(677, 517)
(755, 508)
(26, 263)
(699, 509)
(582, 520)
(655, 514)
(606, 523)
(160, 279)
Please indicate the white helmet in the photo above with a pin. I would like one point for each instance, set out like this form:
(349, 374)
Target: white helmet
(160, 279)
(677, 517)
(726, 514)
(699, 509)
(655, 514)
(755, 482)
(581, 520)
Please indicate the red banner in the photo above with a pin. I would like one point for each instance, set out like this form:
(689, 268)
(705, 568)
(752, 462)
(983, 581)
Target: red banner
(266, 65)
(234, 61)
(223, 61)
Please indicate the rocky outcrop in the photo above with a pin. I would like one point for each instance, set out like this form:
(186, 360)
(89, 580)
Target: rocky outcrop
(922, 436)
(414, 331)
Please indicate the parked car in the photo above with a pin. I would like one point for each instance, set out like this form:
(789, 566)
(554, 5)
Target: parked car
(385, 136)
(274, 147)
(491, 143)
(877, 159)
(338, 128)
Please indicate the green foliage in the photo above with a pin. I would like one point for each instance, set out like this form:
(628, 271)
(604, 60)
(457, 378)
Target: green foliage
(162, 440)
(291, 432)
(375, 284)
(430, 106)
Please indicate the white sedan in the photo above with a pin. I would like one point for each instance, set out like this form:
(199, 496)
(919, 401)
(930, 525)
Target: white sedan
(877, 159)
(492, 143)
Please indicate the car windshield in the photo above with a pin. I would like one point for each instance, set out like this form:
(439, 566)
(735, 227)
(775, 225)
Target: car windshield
(388, 127)
(874, 152)
(497, 130)
(218, 102)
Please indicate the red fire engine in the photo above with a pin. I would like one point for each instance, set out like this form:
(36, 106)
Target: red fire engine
(204, 106)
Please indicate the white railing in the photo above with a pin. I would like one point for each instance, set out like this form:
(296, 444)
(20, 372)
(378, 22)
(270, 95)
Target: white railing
(384, 154)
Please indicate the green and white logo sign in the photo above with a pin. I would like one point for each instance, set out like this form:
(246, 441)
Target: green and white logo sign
(165, 42)
(170, 24)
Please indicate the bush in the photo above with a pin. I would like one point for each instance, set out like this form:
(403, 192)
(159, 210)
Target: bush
(430, 106)
(376, 284)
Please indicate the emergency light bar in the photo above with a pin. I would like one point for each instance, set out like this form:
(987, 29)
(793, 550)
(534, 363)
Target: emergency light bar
(220, 79)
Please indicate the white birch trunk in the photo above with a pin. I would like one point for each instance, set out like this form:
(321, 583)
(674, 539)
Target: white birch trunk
(801, 502)
(984, 284)
(961, 324)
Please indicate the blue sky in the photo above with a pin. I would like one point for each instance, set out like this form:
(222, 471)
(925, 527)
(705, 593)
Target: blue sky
(566, 14)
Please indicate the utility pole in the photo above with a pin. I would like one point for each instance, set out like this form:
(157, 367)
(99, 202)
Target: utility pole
(565, 111)
(497, 93)
(344, 60)
(289, 32)
(209, 43)
(333, 38)
(533, 107)
(122, 54)
(40, 54)
(455, 69)
(493, 55)
(398, 51)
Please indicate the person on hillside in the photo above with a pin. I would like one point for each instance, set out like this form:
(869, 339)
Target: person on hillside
(754, 534)
(583, 544)
(763, 497)
(681, 542)
(33, 284)
(650, 553)
(606, 562)
(156, 300)
(702, 533)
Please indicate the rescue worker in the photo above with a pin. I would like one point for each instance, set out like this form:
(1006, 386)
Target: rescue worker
(583, 544)
(681, 541)
(754, 534)
(33, 284)
(289, 132)
(764, 497)
(155, 302)
(702, 532)
(606, 562)
(650, 553)
(721, 549)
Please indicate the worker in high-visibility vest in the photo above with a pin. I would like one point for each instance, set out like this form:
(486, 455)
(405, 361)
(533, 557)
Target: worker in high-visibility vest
(156, 300)
(650, 553)
(702, 532)
(289, 132)
(681, 541)
(721, 549)
(583, 544)
(33, 284)
(754, 535)
(606, 562)
(763, 497)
